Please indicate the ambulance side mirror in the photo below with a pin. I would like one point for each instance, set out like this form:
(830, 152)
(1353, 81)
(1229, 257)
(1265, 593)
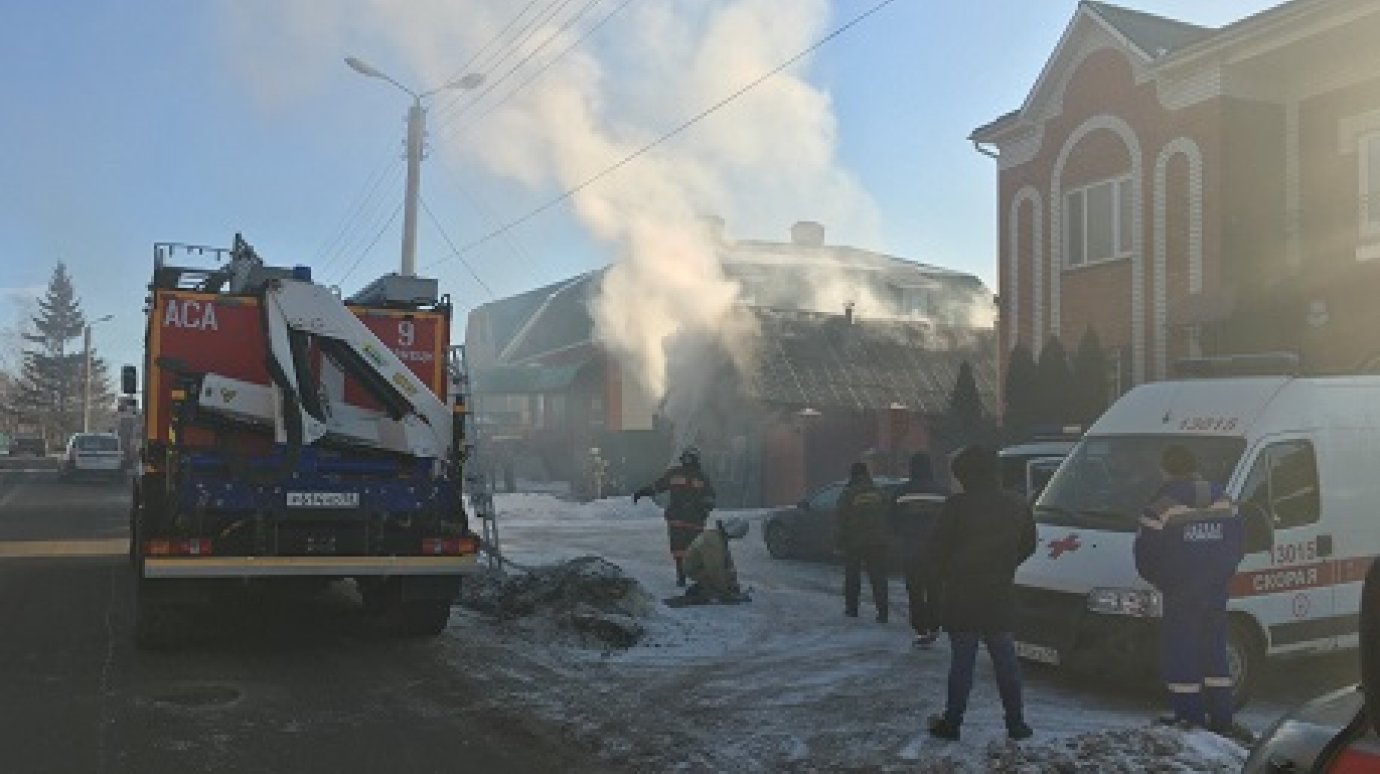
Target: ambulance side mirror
(1260, 533)
(129, 380)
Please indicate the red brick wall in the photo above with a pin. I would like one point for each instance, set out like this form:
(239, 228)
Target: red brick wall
(1100, 296)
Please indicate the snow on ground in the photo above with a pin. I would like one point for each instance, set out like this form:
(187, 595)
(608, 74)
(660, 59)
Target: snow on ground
(785, 682)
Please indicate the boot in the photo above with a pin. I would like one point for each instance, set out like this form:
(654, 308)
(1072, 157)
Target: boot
(942, 728)
(1018, 730)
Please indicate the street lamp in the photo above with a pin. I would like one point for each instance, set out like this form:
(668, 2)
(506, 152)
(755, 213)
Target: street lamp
(416, 131)
(86, 358)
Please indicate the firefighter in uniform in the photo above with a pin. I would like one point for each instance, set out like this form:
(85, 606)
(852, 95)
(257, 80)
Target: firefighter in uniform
(1188, 545)
(691, 500)
(708, 563)
(861, 534)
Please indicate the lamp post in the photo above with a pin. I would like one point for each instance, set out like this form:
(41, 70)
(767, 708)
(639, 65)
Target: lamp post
(416, 132)
(86, 359)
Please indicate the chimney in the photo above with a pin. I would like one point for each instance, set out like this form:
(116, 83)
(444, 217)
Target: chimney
(807, 233)
(713, 226)
(848, 313)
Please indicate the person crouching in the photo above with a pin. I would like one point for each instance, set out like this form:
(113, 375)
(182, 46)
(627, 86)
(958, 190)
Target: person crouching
(708, 563)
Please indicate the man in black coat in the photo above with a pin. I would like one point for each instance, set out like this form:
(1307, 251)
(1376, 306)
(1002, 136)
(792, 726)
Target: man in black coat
(979, 539)
(861, 534)
(912, 516)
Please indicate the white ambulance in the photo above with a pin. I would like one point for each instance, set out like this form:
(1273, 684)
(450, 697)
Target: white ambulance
(1301, 457)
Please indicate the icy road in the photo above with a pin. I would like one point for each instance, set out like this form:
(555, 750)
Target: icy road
(788, 683)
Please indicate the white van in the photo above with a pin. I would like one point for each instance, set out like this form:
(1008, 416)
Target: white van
(1301, 457)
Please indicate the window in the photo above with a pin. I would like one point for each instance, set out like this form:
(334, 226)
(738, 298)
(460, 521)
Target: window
(1283, 484)
(1108, 479)
(826, 498)
(1369, 198)
(1097, 222)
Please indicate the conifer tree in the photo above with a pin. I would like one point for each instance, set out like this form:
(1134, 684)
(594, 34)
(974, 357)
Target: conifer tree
(1020, 393)
(1055, 401)
(1090, 379)
(51, 380)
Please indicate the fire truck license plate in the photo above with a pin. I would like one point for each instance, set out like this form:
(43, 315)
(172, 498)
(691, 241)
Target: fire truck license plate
(323, 499)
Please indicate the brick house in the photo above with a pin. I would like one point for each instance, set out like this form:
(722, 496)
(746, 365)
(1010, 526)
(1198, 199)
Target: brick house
(1185, 190)
(827, 386)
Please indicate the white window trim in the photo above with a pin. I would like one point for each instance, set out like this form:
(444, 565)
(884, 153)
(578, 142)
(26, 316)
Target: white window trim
(1369, 229)
(1118, 255)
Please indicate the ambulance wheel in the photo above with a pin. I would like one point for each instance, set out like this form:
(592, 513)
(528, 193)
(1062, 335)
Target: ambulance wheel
(1244, 657)
(779, 543)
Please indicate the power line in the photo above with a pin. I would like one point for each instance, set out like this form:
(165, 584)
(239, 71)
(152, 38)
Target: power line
(465, 67)
(494, 84)
(370, 183)
(372, 242)
(542, 70)
(519, 39)
(837, 31)
(367, 210)
(446, 237)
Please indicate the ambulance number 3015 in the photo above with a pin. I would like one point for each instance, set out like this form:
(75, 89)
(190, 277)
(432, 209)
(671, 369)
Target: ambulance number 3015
(1295, 553)
(1208, 424)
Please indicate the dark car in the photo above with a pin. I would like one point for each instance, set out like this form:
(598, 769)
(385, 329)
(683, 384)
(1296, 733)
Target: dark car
(1338, 733)
(28, 445)
(806, 531)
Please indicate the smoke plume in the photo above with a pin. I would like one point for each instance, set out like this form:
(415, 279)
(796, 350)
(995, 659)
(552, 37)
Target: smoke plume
(764, 161)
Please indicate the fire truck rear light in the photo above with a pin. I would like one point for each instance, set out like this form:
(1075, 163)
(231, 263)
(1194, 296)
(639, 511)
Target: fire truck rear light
(450, 546)
(185, 547)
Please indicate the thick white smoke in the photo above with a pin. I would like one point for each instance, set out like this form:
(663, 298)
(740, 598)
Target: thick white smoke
(764, 161)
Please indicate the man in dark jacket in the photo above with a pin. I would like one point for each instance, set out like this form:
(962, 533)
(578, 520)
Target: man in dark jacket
(1188, 546)
(861, 534)
(912, 516)
(979, 539)
(691, 500)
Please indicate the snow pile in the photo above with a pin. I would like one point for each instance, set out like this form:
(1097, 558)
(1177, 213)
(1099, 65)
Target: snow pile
(1102, 752)
(587, 595)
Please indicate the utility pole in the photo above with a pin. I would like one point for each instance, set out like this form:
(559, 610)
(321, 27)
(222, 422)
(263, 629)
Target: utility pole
(416, 132)
(86, 368)
(416, 137)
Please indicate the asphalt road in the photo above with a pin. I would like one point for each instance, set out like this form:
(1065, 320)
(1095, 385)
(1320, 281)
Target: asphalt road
(280, 684)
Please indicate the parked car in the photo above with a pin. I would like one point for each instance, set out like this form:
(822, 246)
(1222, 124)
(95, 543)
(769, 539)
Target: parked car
(28, 445)
(806, 530)
(93, 454)
(1338, 733)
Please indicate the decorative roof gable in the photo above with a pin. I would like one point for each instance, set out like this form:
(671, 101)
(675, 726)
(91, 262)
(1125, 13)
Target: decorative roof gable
(1142, 37)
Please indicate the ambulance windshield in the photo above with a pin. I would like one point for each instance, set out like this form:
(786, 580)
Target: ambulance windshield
(1108, 480)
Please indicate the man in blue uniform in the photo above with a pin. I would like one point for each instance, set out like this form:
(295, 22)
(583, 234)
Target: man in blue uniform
(1188, 546)
(691, 500)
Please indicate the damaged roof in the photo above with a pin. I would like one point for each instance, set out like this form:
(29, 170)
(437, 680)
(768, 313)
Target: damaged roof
(826, 361)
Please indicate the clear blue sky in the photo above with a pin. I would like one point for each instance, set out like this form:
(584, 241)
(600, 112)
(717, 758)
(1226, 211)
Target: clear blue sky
(133, 121)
